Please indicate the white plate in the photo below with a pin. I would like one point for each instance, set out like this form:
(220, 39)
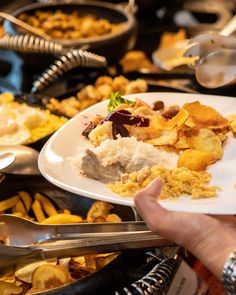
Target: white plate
(54, 164)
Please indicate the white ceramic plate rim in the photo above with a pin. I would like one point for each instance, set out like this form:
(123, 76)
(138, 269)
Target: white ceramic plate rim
(54, 165)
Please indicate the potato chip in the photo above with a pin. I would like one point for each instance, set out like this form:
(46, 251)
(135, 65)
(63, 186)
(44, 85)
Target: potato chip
(232, 123)
(8, 274)
(113, 218)
(78, 267)
(206, 140)
(143, 133)
(168, 138)
(158, 122)
(98, 209)
(194, 160)
(178, 120)
(182, 143)
(161, 123)
(24, 271)
(50, 276)
(204, 116)
(102, 261)
(9, 289)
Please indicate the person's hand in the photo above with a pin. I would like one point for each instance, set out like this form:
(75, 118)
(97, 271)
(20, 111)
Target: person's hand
(209, 238)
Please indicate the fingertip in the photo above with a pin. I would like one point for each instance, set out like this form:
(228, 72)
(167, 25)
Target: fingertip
(146, 199)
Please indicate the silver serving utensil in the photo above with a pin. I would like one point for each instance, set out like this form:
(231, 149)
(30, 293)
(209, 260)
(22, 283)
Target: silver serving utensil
(70, 248)
(204, 44)
(26, 160)
(189, 51)
(6, 159)
(217, 69)
(17, 231)
(22, 239)
(24, 25)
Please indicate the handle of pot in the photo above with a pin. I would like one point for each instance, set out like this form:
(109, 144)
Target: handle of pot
(131, 6)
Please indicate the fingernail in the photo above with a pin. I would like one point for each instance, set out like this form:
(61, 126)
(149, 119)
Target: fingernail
(155, 186)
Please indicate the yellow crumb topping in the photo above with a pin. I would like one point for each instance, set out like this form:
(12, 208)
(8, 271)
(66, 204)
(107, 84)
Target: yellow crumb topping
(47, 127)
(177, 182)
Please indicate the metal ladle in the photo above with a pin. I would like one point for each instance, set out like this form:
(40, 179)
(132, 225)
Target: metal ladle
(6, 160)
(26, 160)
(217, 69)
(24, 25)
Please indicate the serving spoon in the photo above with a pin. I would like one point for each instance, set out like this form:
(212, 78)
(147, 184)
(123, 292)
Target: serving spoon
(217, 69)
(25, 160)
(6, 159)
(24, 25)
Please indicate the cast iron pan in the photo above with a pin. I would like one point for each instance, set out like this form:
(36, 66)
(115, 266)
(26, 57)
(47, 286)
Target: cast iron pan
(112, 46)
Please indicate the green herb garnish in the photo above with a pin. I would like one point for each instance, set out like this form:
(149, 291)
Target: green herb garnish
(116, 98)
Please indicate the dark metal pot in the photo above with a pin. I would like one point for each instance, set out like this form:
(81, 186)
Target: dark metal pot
(104, 280)
(112, 46)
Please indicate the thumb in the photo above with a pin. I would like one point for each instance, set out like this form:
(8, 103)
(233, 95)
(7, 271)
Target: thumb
(147, 206)
(158, 219)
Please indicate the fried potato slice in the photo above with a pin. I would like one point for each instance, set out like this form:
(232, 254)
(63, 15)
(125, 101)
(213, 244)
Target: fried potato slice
(78, 267)
(7, 274)
(47, 205)
(160, 123)
(26, 198)
(66, 211)
(182, 143)
(20, 208)
(113, 218)
(232, 123)
(206, 140)
(50, 276)
(143, 133)
(24, 271)
(8, 203)
(9, 289)
(194, 160)
(103, 260)
(98, 209)
(169, 138)
(38, 211)
(178, 120)
(204, 116)
(62, 219)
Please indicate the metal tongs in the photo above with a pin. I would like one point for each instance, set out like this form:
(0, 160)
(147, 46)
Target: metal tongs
(26, 240)
(215, 66)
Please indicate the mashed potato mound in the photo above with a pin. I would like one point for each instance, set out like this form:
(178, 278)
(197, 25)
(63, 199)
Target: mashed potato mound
(177, 182)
